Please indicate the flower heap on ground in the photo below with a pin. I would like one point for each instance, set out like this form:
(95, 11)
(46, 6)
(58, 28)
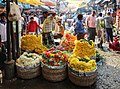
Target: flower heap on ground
(55, 56)
(80, 59)
(28, 60)
(68, 41)
(33, 43)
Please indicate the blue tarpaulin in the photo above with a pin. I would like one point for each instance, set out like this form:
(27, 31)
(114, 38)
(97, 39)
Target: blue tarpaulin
(2, 4)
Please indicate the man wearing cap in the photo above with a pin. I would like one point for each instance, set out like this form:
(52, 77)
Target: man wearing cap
(47, 35)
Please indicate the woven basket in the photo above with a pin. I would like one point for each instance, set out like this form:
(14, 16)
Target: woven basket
(54, 74)
(28, 73)
(82, 78)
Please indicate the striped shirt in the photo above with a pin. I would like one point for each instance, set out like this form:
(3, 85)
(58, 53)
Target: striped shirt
(48, 24)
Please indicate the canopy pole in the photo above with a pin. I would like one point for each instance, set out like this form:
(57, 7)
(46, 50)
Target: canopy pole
(13, 41)
(9, 63)
(17, 37)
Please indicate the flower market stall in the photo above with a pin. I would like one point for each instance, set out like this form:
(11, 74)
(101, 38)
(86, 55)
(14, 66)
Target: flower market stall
(73, 57)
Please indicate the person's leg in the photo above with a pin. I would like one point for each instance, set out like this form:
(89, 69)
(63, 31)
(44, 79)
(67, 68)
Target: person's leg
(107, 34)
(44, 39)
(102, 36)
(92, 34)
(111, 34)
(55, 36)
(51, 38)
(80, 36)
(101, 39)
(89, 34)
(60, 36)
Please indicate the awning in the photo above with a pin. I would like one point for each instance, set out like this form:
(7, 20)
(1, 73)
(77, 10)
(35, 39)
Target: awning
(82, 5)
(32, 2)
(2, 5)
(75, 1)
(48, 2)
(99, 1)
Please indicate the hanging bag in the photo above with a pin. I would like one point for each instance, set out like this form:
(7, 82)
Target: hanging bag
(14, 14)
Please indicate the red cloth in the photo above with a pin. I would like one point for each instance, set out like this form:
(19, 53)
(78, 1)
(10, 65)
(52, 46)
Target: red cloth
(31, 27)
(115, 48)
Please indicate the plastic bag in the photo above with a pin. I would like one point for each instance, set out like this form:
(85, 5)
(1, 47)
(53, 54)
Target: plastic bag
(14, 14)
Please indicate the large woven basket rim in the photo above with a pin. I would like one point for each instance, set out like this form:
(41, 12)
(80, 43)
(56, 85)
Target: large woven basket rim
(53, 67)
(81, 71)
(19, 67)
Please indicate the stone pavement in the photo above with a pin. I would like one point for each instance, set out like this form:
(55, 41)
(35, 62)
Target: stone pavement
(109, 73)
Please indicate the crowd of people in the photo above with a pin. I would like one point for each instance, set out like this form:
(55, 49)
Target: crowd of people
(52, 27)
(97, 27)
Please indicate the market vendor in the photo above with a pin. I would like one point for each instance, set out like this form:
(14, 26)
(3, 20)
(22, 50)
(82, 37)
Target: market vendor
(32, 25)
(59, 30)
(47, 35)
(79, 28)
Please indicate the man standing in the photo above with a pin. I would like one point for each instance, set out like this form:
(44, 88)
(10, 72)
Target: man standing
(47, 35)
(32, 26)
(79, 29)
(109, 26)
(100, 30)
(91, 24)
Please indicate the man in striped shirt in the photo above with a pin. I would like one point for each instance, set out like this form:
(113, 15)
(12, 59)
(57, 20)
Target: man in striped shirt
(47, 28)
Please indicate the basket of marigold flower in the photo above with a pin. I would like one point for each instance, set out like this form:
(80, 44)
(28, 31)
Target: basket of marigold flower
(31, 42)
(84, 48)
(82, 71)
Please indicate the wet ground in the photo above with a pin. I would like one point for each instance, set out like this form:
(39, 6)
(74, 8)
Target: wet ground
(109, 72)
(108, 77)
(41, 83)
